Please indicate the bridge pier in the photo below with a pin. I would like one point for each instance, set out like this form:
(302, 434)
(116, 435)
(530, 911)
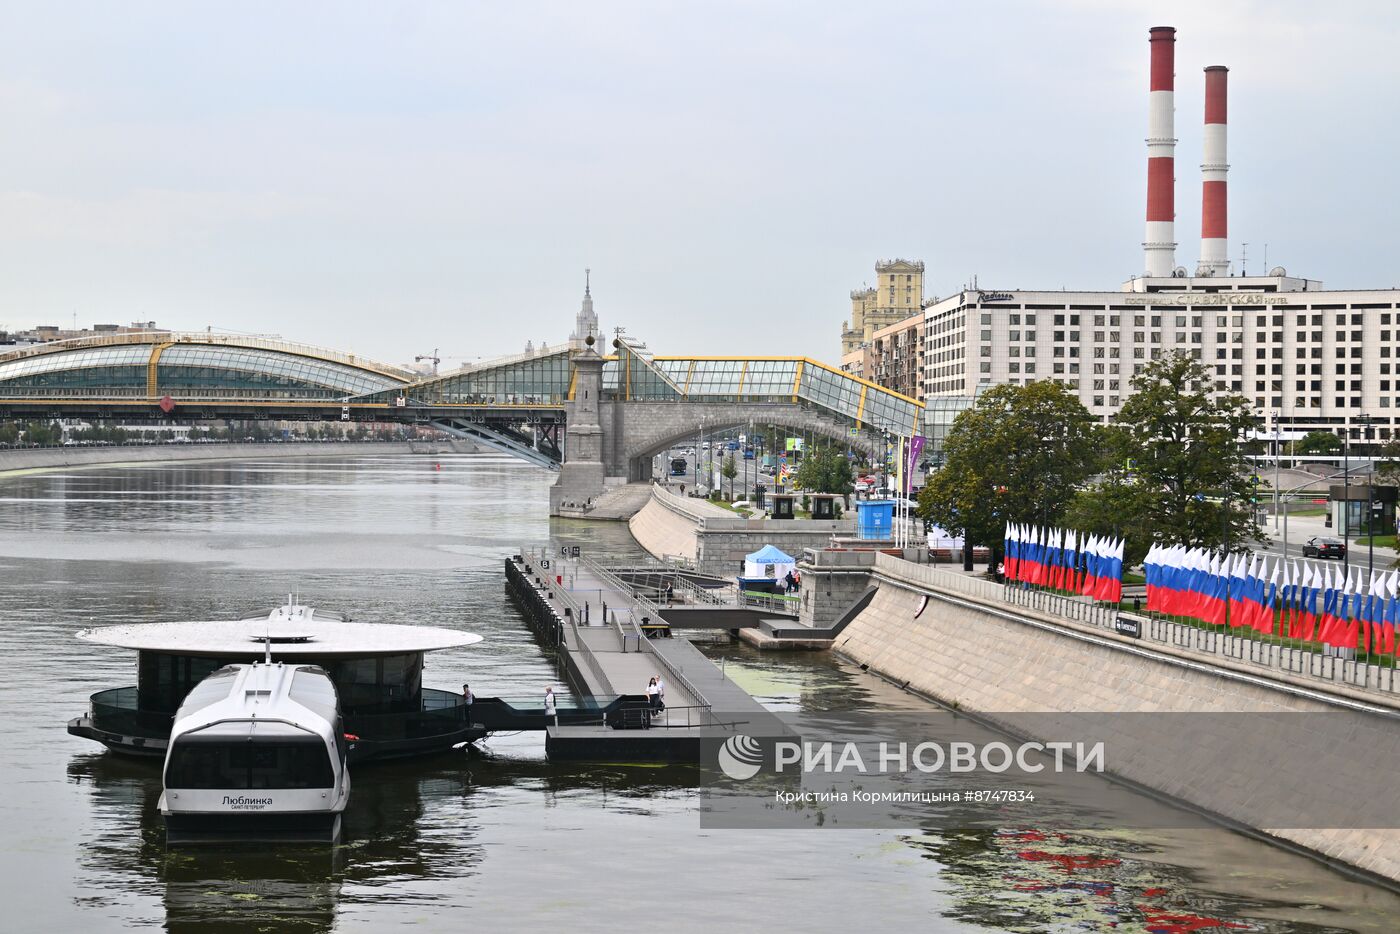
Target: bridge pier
(581, 475)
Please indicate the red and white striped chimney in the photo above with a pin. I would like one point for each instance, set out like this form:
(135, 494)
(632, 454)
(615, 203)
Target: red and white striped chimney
(1214, 246)
(1159, 249)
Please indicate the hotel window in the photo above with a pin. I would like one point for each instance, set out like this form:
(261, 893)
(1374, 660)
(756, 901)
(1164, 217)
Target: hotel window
(1014, 367)
(1098, 321)
(985, 366)
(1059, 368)
(1098, 337)
(1015, 319)
(1059, 320)
(1030, 367)
(1113, 336)
(986, 319)
(1074, 368)
(1030, 320)
(1181, 321)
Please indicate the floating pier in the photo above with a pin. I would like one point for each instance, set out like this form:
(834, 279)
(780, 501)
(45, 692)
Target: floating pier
(611, 642)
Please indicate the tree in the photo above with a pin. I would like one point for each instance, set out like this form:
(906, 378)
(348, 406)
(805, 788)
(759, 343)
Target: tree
(1182, 446)
(729, 470)
(825, 470)
(1018, 455)
(1317, 442)
(1108, 509)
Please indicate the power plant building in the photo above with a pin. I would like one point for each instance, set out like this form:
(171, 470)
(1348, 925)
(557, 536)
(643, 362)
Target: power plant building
(1306, 358)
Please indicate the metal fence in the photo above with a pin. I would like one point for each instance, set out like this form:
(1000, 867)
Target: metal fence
(1209, 644)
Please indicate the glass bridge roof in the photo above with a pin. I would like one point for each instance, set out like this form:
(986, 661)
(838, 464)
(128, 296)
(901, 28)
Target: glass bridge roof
(545, 379)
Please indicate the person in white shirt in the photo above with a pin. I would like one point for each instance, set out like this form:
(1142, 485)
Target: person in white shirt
(652, 698)
(551, 712)
(660, 693)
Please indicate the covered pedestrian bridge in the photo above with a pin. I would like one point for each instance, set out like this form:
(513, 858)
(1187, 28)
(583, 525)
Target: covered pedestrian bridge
(521, 404)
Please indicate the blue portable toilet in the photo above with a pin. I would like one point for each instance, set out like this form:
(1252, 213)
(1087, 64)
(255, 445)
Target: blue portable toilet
(875, 519)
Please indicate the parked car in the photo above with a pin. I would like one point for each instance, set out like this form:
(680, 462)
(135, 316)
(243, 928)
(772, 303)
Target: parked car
(1320, 547)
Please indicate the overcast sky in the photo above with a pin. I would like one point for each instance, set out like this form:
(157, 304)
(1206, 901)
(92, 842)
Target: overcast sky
(391, 178)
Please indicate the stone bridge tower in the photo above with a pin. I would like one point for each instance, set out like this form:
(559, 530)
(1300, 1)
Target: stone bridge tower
(581, 474)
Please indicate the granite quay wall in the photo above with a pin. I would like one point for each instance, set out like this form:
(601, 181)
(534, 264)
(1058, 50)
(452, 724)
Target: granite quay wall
(717, 540)
(57, 457)
(972, 649)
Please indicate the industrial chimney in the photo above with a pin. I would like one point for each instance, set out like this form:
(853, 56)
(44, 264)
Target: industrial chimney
(1214, 261)
(1159, 249)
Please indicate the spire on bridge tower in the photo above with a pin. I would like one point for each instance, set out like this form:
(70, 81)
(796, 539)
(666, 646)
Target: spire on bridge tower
(586, 323)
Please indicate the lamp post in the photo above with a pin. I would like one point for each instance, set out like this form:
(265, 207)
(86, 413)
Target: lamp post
(1278, 450)
(1346, 491)
(1370, 502)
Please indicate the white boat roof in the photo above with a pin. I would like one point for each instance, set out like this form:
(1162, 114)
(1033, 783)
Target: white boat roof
(269, 700)
(295, 631)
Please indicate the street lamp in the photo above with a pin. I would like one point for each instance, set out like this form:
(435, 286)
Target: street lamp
(1370, 503)
(1346, 491)
(1277, 451)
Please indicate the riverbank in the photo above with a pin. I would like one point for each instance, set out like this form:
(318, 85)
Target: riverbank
(716, 540)
(16, 461)
(974, 652)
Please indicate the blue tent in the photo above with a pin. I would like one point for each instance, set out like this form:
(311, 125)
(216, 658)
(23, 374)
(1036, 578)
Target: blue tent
(768, 554)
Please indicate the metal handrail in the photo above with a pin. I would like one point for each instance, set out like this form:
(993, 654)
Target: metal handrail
(572, 618)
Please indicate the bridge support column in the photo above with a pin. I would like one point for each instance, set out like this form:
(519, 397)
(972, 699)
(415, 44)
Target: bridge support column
(581, 475)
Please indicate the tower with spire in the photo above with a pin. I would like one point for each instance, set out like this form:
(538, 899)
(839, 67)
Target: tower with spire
(586, 323)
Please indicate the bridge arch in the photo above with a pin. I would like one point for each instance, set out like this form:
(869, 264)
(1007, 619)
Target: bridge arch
(652, 428)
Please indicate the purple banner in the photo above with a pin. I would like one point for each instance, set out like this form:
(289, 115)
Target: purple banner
(916, 447)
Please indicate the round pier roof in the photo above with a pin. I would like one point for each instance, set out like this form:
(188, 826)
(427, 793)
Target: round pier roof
(299, 634)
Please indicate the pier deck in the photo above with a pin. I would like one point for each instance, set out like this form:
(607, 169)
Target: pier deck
(593, 618)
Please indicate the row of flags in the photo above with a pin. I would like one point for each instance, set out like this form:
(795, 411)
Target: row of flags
(1311, 604)
(1063, 559)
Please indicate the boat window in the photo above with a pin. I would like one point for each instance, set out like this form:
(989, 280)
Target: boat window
(246, 764)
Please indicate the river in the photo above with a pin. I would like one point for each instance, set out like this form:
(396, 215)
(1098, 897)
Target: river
(496, 839)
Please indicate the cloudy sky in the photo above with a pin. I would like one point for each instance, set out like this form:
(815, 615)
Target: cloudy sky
(391, 178)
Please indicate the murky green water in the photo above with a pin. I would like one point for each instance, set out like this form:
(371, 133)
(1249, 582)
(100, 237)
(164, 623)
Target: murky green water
(498, 839)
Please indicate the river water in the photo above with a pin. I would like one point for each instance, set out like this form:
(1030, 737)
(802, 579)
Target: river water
(496, 839)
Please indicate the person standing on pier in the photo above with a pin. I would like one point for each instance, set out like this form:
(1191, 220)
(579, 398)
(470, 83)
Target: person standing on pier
(551, 712)
(670, 593)
(467, 699)
(660, 693)
(653, 699)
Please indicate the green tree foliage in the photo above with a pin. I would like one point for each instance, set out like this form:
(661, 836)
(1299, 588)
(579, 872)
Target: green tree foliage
(825, 470)
(1108, 509)
(1186, 480)
(1317, 442)
(729, 470)
(1018, 455)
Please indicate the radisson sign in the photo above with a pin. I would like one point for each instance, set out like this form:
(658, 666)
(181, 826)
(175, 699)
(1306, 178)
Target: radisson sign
(1207, 298)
